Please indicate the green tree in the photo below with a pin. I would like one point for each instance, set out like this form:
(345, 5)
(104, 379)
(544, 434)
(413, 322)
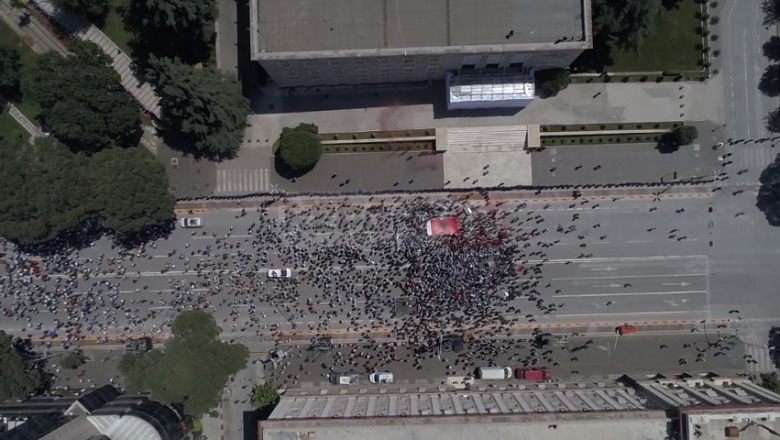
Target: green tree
(300, 147)
(45, 190)
(82, 100)
(193, 368)
(769, 84)
(17, 381)
(203, 111)
(10, 68)
(551, 81)
(132, 188)
(768, 200)
(772, 48)
(770, 382)
(172, 28)
(73, 360)
(771, 10)
(628, 22)
(94, 10)
(264, 396)
(684, 135)
(773, 121)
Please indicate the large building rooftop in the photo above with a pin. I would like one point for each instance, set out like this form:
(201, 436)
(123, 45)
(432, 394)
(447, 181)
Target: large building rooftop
(344, 25)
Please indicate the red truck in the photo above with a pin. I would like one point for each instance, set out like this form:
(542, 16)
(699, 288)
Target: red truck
(626, 329)
(533, 374)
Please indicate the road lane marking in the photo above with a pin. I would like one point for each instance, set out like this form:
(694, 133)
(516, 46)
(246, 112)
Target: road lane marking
(641, 241)
(585, 295)
(618, 277)
(610, 259)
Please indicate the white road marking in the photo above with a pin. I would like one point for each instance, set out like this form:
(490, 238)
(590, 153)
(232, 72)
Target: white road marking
(641, 241)
(681, 292)
(610, 259)
(631, 276)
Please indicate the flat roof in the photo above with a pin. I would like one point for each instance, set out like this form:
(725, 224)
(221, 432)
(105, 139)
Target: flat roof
(335, 25)
(635, 425)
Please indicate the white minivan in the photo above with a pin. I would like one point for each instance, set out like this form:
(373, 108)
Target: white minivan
(381, 377)
(494, 373)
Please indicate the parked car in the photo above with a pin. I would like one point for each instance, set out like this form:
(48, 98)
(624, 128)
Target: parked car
(280, 273)
(381, 377)
(191, 222)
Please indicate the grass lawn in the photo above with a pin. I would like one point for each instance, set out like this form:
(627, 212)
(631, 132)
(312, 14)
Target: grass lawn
(114, 27)
(9, 128)
(673, 48)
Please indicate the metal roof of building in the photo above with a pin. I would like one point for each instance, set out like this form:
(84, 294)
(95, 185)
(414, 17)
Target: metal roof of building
(626, 394)
(334, 25)
(530, 399)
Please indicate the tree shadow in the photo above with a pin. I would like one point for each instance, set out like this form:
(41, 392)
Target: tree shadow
(769, 84)
(132, 241)
(768, 199)
(78, 237)
(594, 60)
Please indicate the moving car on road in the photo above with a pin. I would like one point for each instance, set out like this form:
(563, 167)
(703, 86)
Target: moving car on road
(280, 273)
(381, 377)
(191, 222)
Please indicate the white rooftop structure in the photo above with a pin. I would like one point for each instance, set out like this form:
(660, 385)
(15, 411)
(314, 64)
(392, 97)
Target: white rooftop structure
(489, 91)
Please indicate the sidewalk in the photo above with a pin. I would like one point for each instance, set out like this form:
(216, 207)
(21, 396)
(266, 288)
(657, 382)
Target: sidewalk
(21, 119)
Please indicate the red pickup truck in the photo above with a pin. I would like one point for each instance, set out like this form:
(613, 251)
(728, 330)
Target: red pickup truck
(626, 329)
(533, 374)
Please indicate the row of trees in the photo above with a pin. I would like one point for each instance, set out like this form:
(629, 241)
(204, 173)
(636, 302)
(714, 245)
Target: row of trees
(19, 377)
(203, 111)
(192, 369)
(48, 190)
(770, 80)
(181, 29)
(629, 23)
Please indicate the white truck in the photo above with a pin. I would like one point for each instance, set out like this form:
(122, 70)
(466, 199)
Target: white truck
(494, 373)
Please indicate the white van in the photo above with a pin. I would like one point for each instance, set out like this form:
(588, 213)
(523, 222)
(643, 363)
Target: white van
(494, 373)
(381, 377)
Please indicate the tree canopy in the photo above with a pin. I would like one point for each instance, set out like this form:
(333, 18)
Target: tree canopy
(300, 147)
(10, 69)
(628, 22)
(82, 101)
(264, 396)
(48, 189)
(17, 381)
(768, 200)
(94, 10)
(771, 48)
(203, 111)
(684, 135)
(773, 121)
(771, 9)
(551, 81)
(133, 189)
(770, 382)
(192, 369)
(172, 28)
(769, 84)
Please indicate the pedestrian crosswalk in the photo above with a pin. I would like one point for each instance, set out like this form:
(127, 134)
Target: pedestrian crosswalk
(754, 157)
(242, 181)
(758, 359)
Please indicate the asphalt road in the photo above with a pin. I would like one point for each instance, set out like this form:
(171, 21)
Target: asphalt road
(580, 357)
(623, 262)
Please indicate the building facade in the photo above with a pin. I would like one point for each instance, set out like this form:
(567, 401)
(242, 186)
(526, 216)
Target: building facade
(310, 43)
